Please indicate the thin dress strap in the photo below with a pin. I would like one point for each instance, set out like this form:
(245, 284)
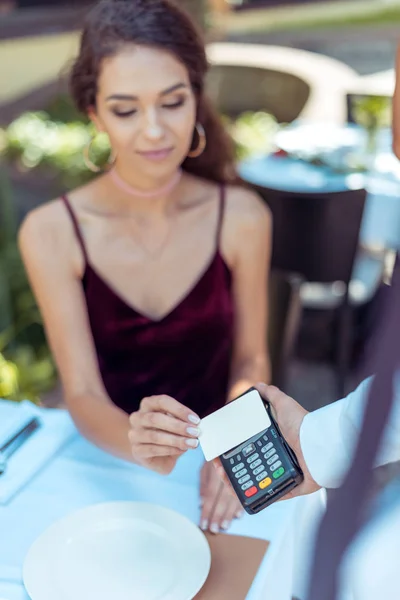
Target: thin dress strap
(221, 214)
(76, 227)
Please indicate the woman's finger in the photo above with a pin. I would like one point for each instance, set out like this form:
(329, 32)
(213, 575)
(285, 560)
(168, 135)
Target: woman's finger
(219, 468)
(210, 501)
(221, 511)
(163, 422)
(166, 404)
(156, 437)
(232, 508)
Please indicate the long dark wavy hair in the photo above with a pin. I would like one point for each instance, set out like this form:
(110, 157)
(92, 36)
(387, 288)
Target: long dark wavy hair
(159, 24)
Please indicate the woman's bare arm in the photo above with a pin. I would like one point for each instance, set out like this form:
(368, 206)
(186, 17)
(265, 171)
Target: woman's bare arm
(45, 241)
(247, 237)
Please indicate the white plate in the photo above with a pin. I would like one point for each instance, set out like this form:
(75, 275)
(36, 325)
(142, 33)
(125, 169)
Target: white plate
(118, 551)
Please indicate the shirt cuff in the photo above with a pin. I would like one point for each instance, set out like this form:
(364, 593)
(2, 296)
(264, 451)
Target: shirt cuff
(326, 455)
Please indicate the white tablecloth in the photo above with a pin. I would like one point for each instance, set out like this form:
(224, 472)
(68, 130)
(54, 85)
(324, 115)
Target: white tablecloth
(81, 474)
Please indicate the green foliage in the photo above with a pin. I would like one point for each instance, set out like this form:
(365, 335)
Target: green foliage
(63, 110)
(35, 141)
(372, 112)
(253, 133)
(26, 367)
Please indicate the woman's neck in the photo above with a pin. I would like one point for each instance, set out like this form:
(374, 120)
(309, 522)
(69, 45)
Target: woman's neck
(142, 197)
(145, 189)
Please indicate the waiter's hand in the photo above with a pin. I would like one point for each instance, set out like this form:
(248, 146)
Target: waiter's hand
(219, 506)
(289, 415)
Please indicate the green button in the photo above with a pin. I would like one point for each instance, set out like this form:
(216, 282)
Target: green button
(278, 473)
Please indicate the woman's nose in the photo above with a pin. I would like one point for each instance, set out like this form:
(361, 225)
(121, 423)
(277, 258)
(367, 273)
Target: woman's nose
(152, 127)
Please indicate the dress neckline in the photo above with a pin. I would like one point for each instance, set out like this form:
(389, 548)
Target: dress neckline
(215, 259)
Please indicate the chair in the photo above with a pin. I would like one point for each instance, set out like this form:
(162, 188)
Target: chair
(283, 322)
(285, 82)
(316, 235)
(269, 89)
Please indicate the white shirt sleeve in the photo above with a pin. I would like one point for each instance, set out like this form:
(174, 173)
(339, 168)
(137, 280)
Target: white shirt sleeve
(328, 436)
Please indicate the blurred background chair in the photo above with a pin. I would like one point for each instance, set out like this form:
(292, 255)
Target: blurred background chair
(283, 322)
(316, 235)
(286, 82)
(267, 89)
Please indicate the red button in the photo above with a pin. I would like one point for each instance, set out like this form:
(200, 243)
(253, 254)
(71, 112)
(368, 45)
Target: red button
(253, 490)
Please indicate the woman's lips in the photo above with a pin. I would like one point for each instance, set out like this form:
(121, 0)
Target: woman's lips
(156, 155)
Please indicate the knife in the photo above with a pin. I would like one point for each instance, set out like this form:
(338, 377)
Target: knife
(16, 440)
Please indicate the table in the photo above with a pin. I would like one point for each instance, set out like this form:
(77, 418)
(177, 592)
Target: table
(82, 474)
(381, 220)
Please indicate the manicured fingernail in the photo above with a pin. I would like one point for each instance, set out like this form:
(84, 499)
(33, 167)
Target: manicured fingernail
(201, 502)
(225, 525)
(192, 443)
(214, 528)
(204, 524)
(193, 431)
(194, 419)
(239, 514)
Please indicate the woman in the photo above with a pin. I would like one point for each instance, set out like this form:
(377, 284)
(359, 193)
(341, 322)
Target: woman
(152, 278)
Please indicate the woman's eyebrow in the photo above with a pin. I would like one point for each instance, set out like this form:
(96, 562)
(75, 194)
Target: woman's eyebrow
(173, 88)
(169, 90)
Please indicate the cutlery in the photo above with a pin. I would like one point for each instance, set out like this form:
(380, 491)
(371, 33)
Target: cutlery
(16, 441)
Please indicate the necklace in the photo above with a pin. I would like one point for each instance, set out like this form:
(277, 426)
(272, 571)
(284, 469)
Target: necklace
(155, 252)
(125, 187)
(128, 189)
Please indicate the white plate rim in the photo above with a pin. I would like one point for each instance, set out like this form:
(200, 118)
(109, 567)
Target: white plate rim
(30, 565)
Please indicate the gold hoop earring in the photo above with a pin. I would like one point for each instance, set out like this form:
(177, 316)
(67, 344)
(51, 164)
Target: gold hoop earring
(90, 164)
(202, 142)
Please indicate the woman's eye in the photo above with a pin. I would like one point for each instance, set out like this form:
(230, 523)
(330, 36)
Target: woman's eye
(176, 104)
(123, 114)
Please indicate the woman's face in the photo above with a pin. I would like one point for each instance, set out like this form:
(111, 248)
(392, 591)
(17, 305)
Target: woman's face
(146, 105)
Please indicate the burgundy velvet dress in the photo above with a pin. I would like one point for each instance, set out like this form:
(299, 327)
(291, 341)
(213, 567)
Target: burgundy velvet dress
(185, 354)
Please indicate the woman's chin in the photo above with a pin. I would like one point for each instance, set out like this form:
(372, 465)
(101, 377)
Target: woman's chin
(158, 169)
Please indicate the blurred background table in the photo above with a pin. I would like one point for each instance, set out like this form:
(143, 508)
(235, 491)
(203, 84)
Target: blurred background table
(294, 171)
(341, 243)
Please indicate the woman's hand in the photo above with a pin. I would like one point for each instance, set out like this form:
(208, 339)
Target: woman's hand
(219, 506)
(161, 431)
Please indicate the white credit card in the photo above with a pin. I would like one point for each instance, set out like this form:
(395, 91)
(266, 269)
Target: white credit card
(233, 424)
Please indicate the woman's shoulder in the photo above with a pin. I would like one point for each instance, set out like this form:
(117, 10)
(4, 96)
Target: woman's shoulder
(49, 225)
(246, 224)
(42, 225)
(50, 217)
(246, 212)
(242, 204)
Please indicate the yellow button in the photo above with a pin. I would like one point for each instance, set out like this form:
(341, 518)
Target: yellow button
(265, 483)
